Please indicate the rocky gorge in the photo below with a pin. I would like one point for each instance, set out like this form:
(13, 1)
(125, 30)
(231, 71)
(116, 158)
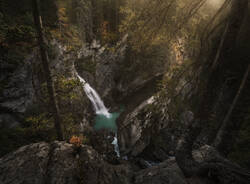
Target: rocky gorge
(141, 100)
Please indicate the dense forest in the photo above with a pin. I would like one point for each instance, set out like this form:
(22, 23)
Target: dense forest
(124, 91)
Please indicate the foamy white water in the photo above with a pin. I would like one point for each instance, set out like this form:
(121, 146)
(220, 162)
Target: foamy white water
(94, 98)
(116, 146)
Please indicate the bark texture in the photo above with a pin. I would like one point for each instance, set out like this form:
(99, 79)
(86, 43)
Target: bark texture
(216, 169)
(45, 63)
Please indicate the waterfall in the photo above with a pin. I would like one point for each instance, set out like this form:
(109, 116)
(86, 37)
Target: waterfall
(116, 146)
(99, 107)
(94, 98)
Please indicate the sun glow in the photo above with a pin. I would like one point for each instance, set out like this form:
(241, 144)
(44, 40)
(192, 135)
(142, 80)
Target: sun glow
(215, 3)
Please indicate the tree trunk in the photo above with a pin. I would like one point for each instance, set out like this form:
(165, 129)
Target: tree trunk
(220, 47)
(45, 63)
(238, 11)
(221, 139)
(184, 158)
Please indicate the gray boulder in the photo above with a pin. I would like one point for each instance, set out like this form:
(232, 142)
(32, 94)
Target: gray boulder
(64, 163)
(167, 172)
(59, 163)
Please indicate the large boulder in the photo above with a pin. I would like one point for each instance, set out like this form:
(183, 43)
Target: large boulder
(167, 172)
(26, 165)
(59, 162)
(131, 129)
(64, 163)
(147, 134)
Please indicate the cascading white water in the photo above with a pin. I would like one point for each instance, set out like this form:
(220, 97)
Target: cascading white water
(116, 146)
(94, 98)
(99, 107)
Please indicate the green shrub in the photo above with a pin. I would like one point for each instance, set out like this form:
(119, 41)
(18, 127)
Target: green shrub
(20, 33)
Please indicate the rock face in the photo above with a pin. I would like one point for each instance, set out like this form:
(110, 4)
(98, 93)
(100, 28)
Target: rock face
(63, 163)
(21, 85)
(130, 131)
(59, 162)
(31, 160)
(103, 68)
(98, 65)
(148, 134)
(18, 94)
(167, 172)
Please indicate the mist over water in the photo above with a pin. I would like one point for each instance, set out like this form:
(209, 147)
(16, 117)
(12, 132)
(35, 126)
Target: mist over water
(215, 3)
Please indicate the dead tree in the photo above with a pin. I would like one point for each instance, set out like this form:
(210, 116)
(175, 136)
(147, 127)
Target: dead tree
(45, 63)
(216, 169)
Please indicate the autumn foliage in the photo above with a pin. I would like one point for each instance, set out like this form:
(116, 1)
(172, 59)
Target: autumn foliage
(106, 34)
(75, 140)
